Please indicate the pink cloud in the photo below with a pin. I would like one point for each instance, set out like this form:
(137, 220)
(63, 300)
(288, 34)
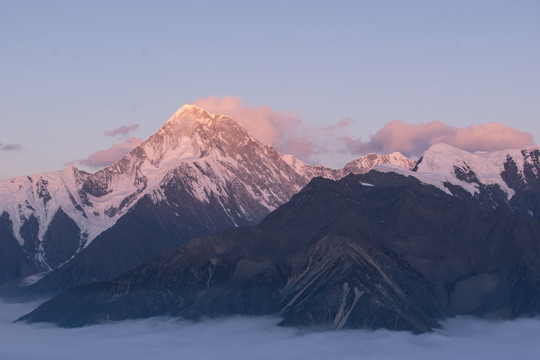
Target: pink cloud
(415, 139)
(106, 157)
(277, 128)
(122, 130)
(301, 147)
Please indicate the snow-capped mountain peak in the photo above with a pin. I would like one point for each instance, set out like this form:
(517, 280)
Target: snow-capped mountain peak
(96, 201)
(210, 156)
(190, 132)
(188, 116)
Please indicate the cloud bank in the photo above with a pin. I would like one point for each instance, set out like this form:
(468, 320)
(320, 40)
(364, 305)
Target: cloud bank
(122, 130)
(260, 338)
(107, 157)
(289, 134)
(413, 140)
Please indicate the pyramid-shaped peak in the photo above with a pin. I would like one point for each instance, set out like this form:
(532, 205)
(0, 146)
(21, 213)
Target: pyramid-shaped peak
(192, 132)
(189, 115)
(193, 110)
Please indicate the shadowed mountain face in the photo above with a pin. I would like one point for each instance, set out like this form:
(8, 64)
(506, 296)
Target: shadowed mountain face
(368, 251)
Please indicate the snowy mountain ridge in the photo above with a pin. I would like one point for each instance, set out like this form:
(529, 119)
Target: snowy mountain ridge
(209, 157)
(368, 162)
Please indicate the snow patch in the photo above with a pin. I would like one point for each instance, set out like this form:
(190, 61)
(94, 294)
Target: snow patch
(366, 184)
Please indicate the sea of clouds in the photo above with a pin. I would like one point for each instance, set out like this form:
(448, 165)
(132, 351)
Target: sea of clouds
(260, 338)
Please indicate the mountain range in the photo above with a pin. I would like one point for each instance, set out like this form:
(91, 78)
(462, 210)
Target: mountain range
(203, 220)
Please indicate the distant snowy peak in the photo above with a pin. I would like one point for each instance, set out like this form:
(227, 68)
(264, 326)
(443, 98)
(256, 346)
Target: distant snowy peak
(361, 165)
(311, 171)
(366, 163)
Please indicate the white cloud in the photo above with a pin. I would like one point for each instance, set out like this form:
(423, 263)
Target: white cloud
(260, 338)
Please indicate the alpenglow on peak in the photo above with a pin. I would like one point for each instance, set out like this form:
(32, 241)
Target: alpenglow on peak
(190, 114)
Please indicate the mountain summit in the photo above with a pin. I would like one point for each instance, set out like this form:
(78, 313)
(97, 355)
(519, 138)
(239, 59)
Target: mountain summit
(199, 173)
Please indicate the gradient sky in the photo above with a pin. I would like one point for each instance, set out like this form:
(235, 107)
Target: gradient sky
(72, 70)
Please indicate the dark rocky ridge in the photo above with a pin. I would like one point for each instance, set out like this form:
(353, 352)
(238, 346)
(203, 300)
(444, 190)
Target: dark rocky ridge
(399, 255)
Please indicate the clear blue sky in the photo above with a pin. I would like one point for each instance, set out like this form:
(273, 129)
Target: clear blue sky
(70, 70)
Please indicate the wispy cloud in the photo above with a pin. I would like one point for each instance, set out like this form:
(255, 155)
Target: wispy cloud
(413, 140)
(122, 130)
(11, 147)
(340, 125)
(106, 157)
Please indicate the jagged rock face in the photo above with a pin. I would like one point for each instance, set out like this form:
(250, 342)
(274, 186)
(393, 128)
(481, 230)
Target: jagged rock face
(62, 239)
(368, 251)
(524, 181)
(198, 174)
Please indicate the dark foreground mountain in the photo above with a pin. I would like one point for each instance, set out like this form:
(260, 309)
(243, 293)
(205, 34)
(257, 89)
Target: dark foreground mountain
(368, 251)
(198, 174)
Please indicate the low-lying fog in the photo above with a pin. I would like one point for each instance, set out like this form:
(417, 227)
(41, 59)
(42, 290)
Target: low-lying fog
(260, 338)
